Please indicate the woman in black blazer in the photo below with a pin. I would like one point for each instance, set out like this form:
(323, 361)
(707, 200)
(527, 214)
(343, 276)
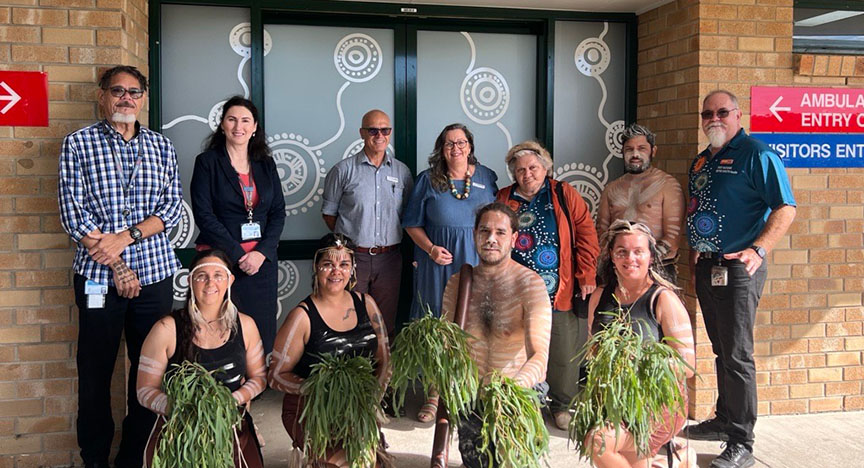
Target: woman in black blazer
(239, 208)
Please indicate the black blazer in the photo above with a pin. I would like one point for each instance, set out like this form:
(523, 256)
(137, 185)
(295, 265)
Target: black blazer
(219, 207)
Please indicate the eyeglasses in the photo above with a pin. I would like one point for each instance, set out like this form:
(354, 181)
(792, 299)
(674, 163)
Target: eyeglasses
(203, 278)
(119, 92)
(624, 253)
(461, 144)
(721, 113)
(375, 131)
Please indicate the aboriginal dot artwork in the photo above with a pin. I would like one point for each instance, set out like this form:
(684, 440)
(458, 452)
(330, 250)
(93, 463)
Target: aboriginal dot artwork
(704, 223)
(537, 242)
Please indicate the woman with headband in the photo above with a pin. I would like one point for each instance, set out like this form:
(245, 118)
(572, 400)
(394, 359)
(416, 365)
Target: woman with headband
(210, 331)
(632, 278)
(332, 320)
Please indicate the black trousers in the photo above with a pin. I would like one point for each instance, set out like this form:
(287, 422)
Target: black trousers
(99, 332)
(729, 313)
(255, 296)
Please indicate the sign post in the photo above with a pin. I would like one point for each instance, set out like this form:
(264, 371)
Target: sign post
(23, 99)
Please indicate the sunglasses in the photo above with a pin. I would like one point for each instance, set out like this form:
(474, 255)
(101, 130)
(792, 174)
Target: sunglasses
(721, 113)
(119, 92)
(375, 131)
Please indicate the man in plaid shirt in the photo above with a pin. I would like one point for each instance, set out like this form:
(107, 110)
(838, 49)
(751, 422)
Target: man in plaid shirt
(119, 195)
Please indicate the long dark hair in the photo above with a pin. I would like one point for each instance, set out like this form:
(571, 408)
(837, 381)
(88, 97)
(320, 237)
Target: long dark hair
(186, 327)
(258, 149)
(438, 175)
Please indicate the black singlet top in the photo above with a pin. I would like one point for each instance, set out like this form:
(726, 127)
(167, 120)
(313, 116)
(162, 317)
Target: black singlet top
(359, 341)
(229, 359)
(641, 312)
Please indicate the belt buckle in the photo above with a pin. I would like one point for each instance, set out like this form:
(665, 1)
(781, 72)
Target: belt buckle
(372, 250)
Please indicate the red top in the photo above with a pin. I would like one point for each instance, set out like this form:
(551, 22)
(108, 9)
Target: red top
(245, 180)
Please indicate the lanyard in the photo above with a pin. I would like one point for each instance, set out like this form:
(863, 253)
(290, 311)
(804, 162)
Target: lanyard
(118, 164)
(247, 193)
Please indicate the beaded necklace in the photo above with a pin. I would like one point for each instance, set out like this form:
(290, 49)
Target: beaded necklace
(466, 192)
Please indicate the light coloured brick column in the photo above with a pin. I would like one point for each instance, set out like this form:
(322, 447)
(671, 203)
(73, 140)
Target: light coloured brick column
(72, 41)
(808, 332)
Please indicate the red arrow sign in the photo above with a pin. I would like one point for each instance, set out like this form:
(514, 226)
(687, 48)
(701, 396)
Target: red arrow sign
(806, 110)
(23, 99)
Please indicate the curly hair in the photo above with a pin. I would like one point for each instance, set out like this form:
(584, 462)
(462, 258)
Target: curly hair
(258, 149)
(438, 175)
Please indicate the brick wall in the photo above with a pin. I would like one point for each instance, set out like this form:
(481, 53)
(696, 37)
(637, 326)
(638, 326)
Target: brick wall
(809, 338)
(72, 41)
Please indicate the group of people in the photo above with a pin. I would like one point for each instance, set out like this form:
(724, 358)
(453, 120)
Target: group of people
(534, 245)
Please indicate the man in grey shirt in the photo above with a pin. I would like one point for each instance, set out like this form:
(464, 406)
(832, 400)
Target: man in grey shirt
(364, 196)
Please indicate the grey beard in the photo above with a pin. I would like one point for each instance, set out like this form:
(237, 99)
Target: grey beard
(120, 117)
(716, 138)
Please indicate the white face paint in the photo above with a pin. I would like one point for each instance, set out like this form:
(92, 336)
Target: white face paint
(637, 154)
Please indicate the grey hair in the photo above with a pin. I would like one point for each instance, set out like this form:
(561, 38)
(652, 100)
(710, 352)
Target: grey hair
(635, 130)
(525, 148)
(732, 97)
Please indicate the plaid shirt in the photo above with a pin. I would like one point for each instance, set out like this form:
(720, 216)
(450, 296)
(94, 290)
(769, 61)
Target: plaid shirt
(92, 196)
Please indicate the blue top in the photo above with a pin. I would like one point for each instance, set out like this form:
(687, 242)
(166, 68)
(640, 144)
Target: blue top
(367, 200)
(110, 184)
(449, 223)
(537, 245)
(732, 194)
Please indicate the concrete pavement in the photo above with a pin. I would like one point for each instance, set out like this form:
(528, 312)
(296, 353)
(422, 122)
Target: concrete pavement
(800, 441)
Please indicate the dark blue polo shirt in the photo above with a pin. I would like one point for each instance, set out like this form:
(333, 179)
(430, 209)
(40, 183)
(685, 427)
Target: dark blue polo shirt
(732, 194)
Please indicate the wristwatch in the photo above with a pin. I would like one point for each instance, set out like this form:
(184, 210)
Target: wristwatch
(759, 251)
(135, 234)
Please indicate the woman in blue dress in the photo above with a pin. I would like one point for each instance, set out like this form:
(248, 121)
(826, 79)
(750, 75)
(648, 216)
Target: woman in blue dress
(439, 218)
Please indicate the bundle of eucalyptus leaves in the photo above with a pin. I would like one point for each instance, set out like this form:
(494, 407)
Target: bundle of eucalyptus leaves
(342, 396)
(630, 384)
(512, 424)
(435, 351)
(200, 427)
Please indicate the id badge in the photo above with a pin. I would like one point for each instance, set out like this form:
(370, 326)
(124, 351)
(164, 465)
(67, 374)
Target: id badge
(93, 288)
(95, 301)
(250, 231)
(719, 276)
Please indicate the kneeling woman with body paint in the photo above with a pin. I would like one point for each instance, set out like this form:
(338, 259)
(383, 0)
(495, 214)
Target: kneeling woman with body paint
(210, 331)
(332, 320)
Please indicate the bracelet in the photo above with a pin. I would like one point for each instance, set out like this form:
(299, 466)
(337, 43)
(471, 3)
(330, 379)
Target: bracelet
(430, 251)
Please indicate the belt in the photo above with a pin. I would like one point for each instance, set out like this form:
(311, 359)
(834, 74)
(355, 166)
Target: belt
(709, 255)
(377, 249)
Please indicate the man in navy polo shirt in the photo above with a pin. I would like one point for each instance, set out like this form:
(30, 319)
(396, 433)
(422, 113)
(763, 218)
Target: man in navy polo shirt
(740, 205)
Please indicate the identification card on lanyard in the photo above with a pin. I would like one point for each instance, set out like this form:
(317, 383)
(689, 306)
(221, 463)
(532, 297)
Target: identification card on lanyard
(121, 175)
(250, 230)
